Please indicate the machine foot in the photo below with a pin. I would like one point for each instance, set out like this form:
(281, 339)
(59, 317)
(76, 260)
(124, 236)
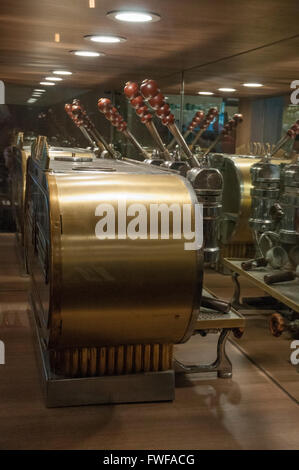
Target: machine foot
(222, 365)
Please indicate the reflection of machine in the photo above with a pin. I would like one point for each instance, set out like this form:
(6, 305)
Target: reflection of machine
(265, 178)
(283, 251)
(267, 186)
(197, 120)
(235, 235)
(236, 238)
(275, 224)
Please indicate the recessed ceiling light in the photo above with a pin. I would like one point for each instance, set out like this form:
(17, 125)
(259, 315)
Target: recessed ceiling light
(31, 100)
(47, 83)
(253, 85)
(133, 16)
(39, 90)
(105, 39)
(227, 89)
(62, 72)
(35, 95)
(87, 53)
(205, 93)
(53, 79)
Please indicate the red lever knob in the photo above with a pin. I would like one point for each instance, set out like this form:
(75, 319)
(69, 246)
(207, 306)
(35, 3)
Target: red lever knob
(157, 101)
(238, 117)
(295, 128)
(291, 133)
(131, 90)
(149, 89)
(76, 110)
(213, 112)
(142, 111)
(68, 108)
(122, 126)
(197, 120)
(137, 101)
(168, 120)
(104, 103)
(163, 111)
(200, 115)
(146, 118)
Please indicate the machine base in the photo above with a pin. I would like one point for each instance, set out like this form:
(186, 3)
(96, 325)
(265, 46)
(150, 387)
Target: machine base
(149, 387)
(131, 388)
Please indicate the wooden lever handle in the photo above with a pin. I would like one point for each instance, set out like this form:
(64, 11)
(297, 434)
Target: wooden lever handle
(232, 124)
(111, 114)
(253, 263)
(132, 92)
(150, 91)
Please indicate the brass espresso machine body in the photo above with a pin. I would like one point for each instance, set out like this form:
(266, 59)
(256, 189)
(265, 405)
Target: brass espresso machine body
(114, 306)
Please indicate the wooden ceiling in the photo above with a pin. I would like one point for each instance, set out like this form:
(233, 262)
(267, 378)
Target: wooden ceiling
(217, 43)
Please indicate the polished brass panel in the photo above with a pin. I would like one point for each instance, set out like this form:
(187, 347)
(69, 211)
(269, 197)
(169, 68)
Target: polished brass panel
(116, 290)
(106, 307)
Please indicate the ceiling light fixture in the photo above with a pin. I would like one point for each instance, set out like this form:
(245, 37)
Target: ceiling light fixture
(62, 72)
(39, 90)
(31, 100)
(54, 79)
(107, 39)
(87, 53)
(133, 16)
(47, 83)
(227, 90)
(253, 85)
(205, 93)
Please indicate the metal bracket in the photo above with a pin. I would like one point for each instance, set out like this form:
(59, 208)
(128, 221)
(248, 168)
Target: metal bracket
(235, 301)
(221, 365)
